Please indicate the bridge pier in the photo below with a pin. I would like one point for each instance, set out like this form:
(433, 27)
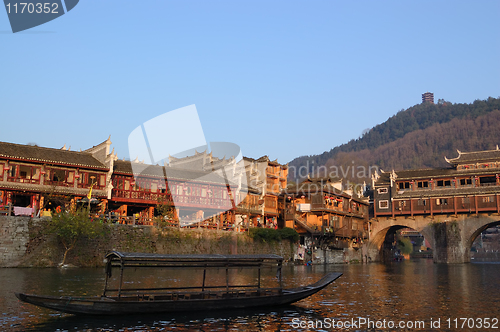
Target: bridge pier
(449, 243)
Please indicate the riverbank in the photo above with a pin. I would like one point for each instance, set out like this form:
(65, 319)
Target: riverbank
(25, 242)
(43, 250)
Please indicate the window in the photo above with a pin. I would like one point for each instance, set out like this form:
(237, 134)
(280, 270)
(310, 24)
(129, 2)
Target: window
(443, 183)
(70, 177)
(22, 173)
(466, 182)
(13, 171)
(487, 181)
(86, 179)
(383, 204)
(489, 199)
(404, 185)
(422, 202)
(335, 221)
(465, 200)
(441, 201)
(57, 175)
(423, 184)
(382, 190)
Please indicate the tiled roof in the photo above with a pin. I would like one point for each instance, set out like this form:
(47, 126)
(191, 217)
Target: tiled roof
(265, 158)
(48, 155)
(433, 173)
(47, 188)
(475, 157)
(312, 187)
(122, 166)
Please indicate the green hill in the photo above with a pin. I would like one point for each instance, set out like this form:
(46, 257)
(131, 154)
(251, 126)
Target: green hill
(418, 137)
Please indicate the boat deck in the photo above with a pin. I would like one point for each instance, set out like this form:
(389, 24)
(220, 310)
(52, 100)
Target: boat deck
(175, 296)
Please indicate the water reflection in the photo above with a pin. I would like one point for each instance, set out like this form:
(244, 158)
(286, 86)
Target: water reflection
(414, 290)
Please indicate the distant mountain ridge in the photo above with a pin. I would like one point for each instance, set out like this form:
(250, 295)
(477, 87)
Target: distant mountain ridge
(418, 137)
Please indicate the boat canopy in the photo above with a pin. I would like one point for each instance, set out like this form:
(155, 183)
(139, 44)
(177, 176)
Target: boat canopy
(127, 259)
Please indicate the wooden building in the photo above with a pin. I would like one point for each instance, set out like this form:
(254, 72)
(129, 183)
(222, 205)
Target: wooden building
(266, 180)
(35, 178)
(199, 190)
(319, 208)
(196, 197)
(469, 185)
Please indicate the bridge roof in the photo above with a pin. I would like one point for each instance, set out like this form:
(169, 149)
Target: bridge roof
(421, 174)
(475, 157)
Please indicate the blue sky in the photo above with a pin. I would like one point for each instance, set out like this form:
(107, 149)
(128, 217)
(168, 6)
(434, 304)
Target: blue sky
(278, 78)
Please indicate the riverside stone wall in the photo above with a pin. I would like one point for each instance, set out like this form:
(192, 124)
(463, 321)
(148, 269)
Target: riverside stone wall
(23, 243)
(14, 237)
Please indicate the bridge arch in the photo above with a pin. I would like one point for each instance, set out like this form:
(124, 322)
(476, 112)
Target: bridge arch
(449, 236)
(475, 233)
(382, 228)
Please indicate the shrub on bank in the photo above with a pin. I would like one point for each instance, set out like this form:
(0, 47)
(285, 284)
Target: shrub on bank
(274, 235)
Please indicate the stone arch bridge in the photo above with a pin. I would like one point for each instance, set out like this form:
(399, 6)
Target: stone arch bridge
(450, 236)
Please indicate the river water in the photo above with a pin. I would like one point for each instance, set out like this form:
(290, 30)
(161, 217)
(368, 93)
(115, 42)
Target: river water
(368, 297)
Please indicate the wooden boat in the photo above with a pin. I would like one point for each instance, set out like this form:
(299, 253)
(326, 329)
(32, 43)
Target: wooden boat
(126, 300)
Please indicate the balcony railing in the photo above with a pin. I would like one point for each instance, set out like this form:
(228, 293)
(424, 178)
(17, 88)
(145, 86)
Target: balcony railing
(448, 205)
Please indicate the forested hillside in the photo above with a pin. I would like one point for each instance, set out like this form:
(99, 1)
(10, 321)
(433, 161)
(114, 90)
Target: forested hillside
(418, 137)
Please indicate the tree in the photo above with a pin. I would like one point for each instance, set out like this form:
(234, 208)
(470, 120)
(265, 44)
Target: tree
(166, 211)
(70, 226)
(404, 244)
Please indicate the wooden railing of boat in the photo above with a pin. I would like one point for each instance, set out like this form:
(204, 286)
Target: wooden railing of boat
(122, 261)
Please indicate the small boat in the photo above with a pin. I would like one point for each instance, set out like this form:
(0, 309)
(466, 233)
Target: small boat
(124, 299)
